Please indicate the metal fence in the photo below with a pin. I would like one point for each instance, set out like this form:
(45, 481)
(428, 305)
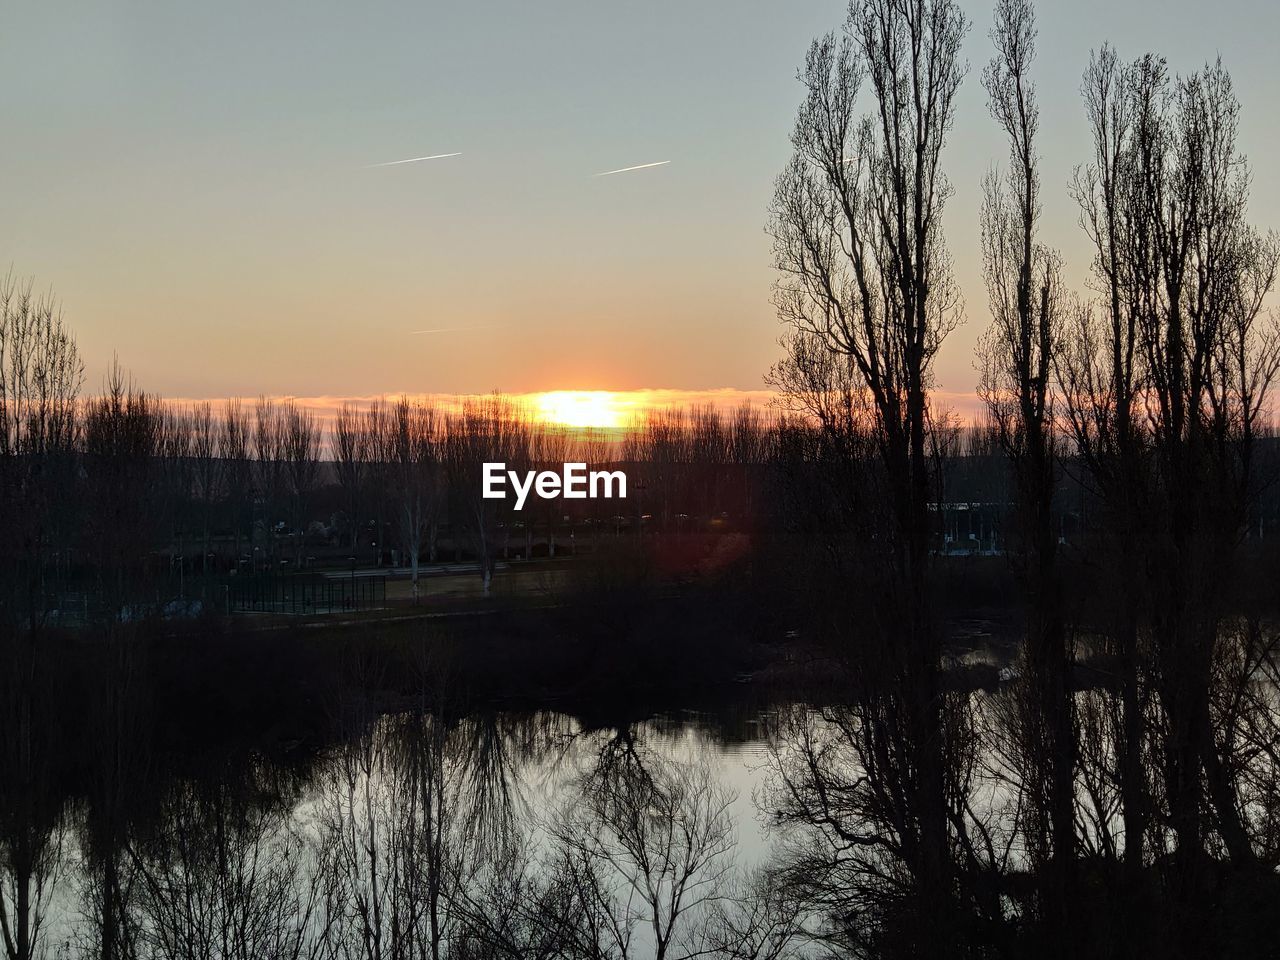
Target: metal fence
(305, 593)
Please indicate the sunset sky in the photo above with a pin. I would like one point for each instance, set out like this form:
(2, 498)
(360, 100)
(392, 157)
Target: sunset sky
(197, 181)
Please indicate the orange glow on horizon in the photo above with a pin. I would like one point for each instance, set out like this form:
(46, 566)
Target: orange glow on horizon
(611, 410)
(604, 409)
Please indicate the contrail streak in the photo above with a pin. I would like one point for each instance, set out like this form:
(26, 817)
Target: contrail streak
(414, 333)
(392, 163)
(643, 166)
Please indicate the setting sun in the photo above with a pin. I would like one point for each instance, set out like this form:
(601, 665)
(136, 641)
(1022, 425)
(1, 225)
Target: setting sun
(585, 408)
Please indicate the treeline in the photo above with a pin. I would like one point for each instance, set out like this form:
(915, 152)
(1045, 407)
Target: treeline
(124, 493)
(124, 497)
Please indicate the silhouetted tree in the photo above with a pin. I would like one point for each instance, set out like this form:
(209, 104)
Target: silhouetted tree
(300, 449)
(350, 445)
(40, 379)
(208, 468)
(1101, 387)
(124, 439)
(482, 432)
(857, 227)
(234, 444)
(416, 477)
(1016, 357)
(269, 480)
(1166, 391)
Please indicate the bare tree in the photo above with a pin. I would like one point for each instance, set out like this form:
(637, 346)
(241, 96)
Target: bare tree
(856, 221)
(1101, 386)
(1166, 392)
(1017, 363)
(414, 444)
(857, 227)
(482, 432)
(377, 426)
(234, 451)
(1209, 364)
(40, 378)
(124, 440)
(172, 483)
(551, 447)
(207, 465)
(268, 454)
(351, 445)
(300, 448)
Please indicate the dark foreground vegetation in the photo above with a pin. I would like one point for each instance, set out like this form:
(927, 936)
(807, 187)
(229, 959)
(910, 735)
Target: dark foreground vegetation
(281, 784)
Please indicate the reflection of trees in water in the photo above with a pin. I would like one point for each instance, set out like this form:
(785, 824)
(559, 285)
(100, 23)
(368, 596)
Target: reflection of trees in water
(650, 845)
(359, 819)
(419, 834)
(31, 820)
(426, 848)
(116, 774)
(839, 787)
(413, 837)
(403, 821)
(845, 824)
(637, 860)
(225, 873)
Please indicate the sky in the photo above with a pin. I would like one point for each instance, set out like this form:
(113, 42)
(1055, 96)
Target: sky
(196, 182)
